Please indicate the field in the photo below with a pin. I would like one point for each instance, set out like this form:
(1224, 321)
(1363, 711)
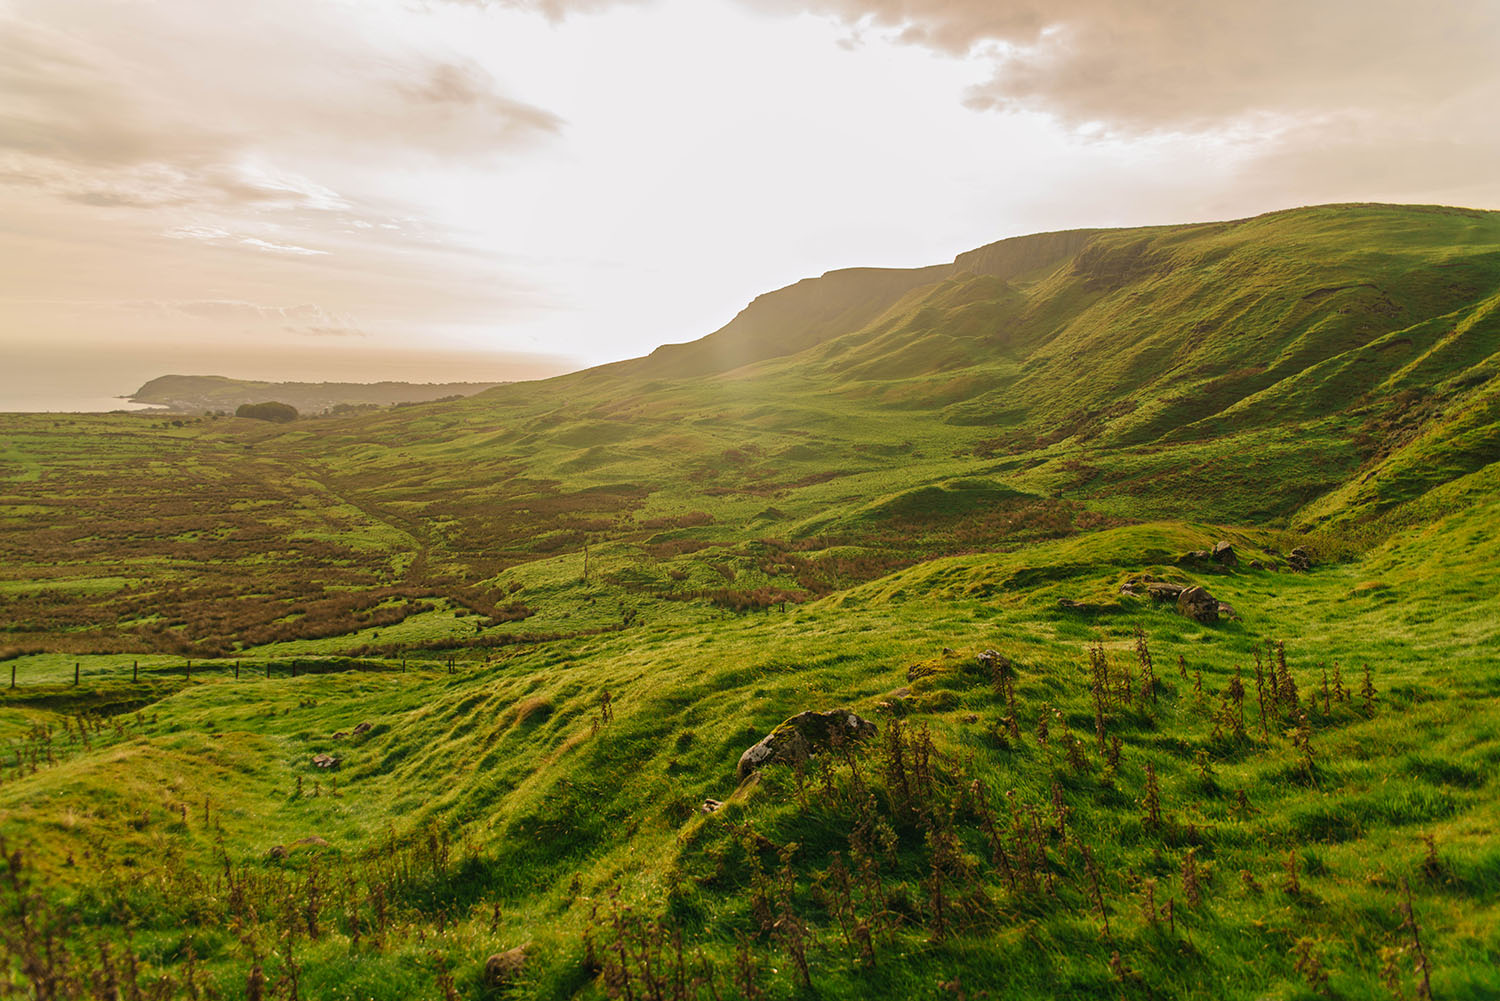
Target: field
(528, 634)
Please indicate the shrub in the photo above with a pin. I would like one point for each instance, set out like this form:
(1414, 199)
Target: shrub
(279, 413)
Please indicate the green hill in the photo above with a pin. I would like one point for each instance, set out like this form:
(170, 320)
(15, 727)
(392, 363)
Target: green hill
(534, 630)
(203, 394)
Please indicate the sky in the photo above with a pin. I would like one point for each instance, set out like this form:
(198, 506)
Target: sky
(493, 189)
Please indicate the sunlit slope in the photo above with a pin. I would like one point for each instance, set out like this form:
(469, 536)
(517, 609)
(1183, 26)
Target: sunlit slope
(1317, 367)
(538, 627)
(1316, 340)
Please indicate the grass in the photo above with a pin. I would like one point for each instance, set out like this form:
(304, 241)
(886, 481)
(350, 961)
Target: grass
(603, 588)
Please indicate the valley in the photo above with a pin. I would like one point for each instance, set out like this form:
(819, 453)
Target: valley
(447, 700)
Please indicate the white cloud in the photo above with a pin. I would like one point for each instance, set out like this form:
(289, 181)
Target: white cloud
(279, 248)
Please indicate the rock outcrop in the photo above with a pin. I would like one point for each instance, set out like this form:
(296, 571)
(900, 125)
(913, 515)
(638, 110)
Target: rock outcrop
(1198, 605)
(804, 735)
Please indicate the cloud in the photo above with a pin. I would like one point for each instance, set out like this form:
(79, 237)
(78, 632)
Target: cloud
(553, 10)
(1186, 65)
(153, 105)
(279, 248)
(302, 320)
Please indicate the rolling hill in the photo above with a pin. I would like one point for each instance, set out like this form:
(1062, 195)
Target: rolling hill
(448, 701)
(204, 394)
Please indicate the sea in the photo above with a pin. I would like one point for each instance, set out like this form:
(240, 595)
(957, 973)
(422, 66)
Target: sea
(36, 380)
(41, 378)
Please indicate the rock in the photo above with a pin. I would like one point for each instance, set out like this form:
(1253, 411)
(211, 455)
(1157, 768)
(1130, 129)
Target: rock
(340, 735)
(1138, 585)
(1224, 554)
(1162, 591)
(277, 852)
(1257, 565)
(313, 840)
(993, 660)
(804, 735)
(1198, 605)
(503, 967)
(1226, 610)
(1299, 559)
(926, 669)
(363, 728)
(711, 806)
(325, 761)
(972, 718)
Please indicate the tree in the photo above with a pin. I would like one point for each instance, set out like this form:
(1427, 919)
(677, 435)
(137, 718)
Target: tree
(280, 413)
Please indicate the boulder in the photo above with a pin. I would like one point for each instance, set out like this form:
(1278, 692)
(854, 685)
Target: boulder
(1224, 554)
(1299, 559)
(503, 967)
(711, 806)
(1163, 591)
(1198, 605)
(993, 660)
(804, 735)
(363, 728)
(325, 761)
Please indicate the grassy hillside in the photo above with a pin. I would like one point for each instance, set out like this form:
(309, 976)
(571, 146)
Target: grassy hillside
(538, 627)
(205, 394)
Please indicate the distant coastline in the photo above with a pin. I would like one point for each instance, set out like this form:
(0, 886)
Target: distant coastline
(206, 394)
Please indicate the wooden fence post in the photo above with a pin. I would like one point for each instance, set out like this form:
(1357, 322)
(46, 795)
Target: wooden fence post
(75, 673)
(12, 675)
(236, 671)
(188, 671)
(268, 668)
(135, 670)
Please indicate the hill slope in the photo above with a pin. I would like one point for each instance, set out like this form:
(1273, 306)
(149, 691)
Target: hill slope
(536, 628)
(201, 394)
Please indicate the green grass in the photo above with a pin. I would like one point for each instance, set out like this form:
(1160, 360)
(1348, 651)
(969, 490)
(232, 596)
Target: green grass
(862, 473)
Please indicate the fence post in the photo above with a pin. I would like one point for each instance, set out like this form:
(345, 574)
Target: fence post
(188, 671)
(236, 671)
(12, 675)
(268, 668)
(135, 670)
(75, 673)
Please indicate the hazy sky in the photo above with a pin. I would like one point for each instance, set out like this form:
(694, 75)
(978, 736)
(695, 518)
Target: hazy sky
(317, 187)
